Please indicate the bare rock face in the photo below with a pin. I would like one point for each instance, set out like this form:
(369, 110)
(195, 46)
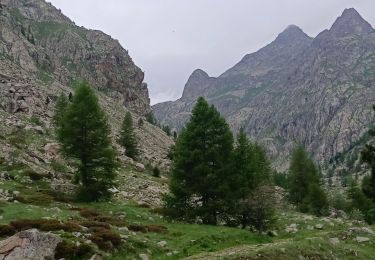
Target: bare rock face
(41, 40)
(297, 90)
(29, 245)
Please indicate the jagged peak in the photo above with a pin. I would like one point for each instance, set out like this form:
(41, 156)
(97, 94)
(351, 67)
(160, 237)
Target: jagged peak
(350, 22)
(199, 73)
(292, 33)
(195, 84)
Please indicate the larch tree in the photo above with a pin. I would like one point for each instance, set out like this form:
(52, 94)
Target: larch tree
(201, 166)
(84, 135)
(127, 137)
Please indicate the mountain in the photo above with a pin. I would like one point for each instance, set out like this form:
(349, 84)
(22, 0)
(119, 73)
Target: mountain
(42, 53)
(313, 91)
(41, 40)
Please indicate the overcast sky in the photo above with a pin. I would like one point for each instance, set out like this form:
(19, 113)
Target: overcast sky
(169, 39)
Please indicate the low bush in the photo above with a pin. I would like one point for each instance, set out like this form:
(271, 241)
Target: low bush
(105, 239)
(7, 230)
(33, 175)
(45, 225)
(68, 250)
(88, 213)
(91, 224)
(148, 228)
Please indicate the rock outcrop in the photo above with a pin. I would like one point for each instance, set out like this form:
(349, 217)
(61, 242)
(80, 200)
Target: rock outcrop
(29, 245)
(41, 40)
(313, 91)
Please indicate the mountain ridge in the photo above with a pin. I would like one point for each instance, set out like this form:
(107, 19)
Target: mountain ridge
(297, 90)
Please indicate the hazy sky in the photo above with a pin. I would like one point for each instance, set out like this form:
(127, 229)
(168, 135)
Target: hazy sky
(169, 39)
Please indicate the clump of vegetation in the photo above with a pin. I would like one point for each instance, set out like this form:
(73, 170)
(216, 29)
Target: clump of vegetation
(96, 217)
(127, 137)
(7, 230)
(33, 175)
(166, 129)
(69, 250)
(304, 184)
(84, 134)
(106, 239)
(148, 228)
(213, 179)
(45, 225)
(156, 172)
(151, 118)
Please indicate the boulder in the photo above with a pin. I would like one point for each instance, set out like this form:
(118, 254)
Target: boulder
(29, 245)
(362, 239)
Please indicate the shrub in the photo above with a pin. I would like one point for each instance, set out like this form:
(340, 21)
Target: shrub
(156, 172)
(68, 250)
(45, 225)
(148, 228)
(33, 175)
(105, 239)
(88, 213)
(93, 224)
(7, 230)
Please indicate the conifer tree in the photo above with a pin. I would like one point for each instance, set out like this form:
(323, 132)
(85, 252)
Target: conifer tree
(250, 170)
(305, 190)
(200, 174)
(127, 137)
(84, 135)
(60, 108)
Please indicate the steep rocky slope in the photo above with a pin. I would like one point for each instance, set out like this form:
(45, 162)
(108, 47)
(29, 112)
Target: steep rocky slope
(314, 91)
(42, 53)
(41, 40)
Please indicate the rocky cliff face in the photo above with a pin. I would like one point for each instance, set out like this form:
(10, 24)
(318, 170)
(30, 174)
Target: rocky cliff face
(317, 92)
(41, 40)
(41, 53)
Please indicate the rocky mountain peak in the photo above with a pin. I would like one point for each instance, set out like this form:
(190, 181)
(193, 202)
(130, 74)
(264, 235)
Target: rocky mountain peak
(349, 23)
(291, 34)
(196, 84)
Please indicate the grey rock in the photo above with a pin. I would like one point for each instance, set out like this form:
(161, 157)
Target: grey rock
(362, 239)
(29, 245)
(312, 91)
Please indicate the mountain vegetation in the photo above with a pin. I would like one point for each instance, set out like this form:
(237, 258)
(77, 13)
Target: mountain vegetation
(88, 172)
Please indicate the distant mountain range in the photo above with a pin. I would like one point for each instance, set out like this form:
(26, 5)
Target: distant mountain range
(313, 91)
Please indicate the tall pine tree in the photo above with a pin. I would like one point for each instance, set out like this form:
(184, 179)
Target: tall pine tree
(127, 137)
(200, 174)
(84, 134)
(305, 189)
(60, 108)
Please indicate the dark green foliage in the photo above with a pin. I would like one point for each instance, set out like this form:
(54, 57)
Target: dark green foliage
(7, 230)
(84, 135)
(148, 228)
(105, 239)
(60, 109)
(45, 225)
(361, 202)
(127, 137)
(250, 174)
(69, 250)
(317, 200)
(368, 156)
(201, 166)
(260, 208)
(156, 172)
(166, 129)
(151, 118)
(280, 179)
(304, 184)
